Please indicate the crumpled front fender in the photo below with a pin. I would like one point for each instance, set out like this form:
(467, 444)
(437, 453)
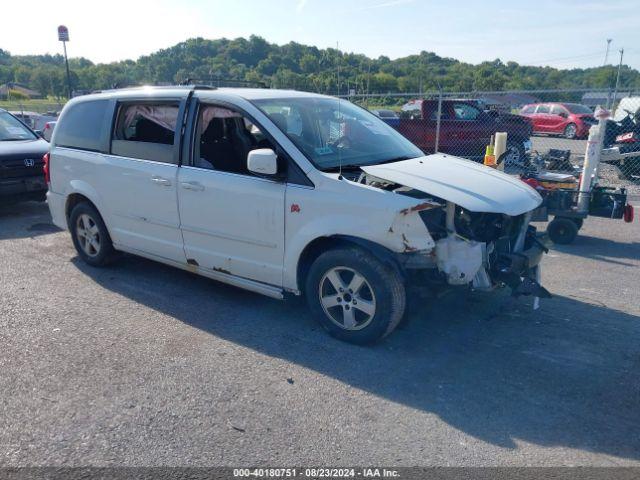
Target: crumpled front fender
(408, 232)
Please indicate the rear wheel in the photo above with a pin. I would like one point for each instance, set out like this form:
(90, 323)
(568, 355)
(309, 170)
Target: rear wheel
(355, 296)
(562, 231)
(570, 131)
(90, 235)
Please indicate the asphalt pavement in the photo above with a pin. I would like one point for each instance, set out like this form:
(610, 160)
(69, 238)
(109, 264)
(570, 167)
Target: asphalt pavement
(143, 364)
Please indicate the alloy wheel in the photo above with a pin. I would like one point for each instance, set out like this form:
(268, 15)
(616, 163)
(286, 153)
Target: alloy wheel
(347, 298)
(88, 235)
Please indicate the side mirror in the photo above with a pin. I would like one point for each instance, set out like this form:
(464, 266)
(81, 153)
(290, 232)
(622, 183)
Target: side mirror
(40, 133)
(262, 161)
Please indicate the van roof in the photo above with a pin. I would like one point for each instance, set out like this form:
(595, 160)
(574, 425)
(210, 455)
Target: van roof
(202, 92)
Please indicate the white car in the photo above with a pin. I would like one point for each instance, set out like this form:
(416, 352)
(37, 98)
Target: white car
(47, 130)
(286, 192)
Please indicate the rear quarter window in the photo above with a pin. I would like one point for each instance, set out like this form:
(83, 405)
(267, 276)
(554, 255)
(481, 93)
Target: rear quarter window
(82, 126)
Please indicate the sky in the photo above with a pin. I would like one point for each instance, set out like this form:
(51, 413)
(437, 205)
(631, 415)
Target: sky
(558, 33)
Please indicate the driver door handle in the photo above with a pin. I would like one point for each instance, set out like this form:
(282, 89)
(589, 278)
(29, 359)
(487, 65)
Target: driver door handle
(195, 186)
(161, 181)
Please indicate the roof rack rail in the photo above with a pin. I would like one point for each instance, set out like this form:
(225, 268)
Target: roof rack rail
(204, 87)
(159, 87)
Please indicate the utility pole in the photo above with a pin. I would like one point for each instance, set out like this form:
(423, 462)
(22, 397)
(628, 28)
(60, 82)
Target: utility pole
(615, 90)
(606, 54)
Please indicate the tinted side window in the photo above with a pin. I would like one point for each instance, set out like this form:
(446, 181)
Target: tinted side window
(82, 125)
(528, 110)
(543, 109)
(557, 110)
(146, 131)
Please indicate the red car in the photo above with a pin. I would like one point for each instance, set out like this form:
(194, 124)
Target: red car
(570, 120)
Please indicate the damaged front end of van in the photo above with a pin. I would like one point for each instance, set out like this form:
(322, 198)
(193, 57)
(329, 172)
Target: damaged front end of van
(478, 223)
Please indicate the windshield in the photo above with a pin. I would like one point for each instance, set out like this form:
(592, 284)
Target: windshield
(332, 132)
(12, 129)
(577, 108)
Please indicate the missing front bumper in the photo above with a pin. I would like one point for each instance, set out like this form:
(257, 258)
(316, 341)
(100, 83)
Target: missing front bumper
(520, 271)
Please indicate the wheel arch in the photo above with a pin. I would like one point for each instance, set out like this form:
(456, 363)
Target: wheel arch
(86, 195)
(73, 200)
(321, 244)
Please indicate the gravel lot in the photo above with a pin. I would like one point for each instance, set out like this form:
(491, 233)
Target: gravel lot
(142, 364)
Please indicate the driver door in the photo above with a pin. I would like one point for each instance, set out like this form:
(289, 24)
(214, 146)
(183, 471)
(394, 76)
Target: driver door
(232, 221)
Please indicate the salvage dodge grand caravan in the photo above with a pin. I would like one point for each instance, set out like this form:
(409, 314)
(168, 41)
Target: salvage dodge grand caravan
(282, 191)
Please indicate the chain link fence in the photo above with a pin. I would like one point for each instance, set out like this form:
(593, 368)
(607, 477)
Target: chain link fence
(547, 127)
(621, 149)
(544, 127)
(34, 113)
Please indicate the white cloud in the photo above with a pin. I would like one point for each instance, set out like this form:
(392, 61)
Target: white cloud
(300, 5)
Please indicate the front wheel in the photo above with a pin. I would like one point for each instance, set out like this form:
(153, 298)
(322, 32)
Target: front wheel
(355, 296)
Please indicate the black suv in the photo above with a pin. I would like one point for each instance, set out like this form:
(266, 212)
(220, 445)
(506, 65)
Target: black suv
(21, 162)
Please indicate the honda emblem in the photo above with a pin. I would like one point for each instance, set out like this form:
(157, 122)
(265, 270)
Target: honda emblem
(29, 162)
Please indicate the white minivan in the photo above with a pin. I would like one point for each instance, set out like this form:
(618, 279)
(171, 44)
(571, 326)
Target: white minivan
(282, 191)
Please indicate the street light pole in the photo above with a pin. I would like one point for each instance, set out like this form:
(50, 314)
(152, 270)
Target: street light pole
(606, 54)
(615, 90)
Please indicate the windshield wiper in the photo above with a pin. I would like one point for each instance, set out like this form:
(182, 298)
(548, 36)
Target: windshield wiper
(337, 168)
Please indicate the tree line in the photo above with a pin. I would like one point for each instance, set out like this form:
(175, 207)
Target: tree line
(301, 67)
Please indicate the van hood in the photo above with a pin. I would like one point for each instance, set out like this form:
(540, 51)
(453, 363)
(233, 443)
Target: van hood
(468, 184)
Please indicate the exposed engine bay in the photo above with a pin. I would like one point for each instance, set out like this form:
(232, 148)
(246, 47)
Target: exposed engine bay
(480, 249)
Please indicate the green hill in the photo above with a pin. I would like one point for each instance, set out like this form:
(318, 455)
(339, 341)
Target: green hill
(300, 67)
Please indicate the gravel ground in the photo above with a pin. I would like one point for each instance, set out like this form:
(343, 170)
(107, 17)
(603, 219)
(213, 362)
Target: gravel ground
(142, 364)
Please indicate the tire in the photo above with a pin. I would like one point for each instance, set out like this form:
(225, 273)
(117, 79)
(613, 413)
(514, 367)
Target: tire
(381, 289)
(514, 155)
(562, 231)
(570, 131)
(578, 221)
(94, 246)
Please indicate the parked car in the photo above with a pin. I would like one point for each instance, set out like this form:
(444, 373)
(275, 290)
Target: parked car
(571, 120)
(388, 116)
(279, 191)
(21, 161)
(47, 131)
(465, 129)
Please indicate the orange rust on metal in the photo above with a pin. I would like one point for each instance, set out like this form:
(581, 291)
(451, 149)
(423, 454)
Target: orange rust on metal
(419, 208)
